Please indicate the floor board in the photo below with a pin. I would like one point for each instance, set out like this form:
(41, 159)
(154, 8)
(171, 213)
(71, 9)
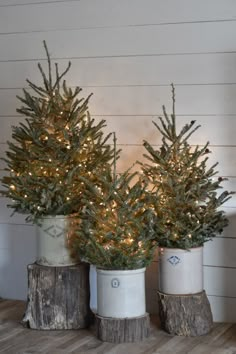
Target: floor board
(14, 339)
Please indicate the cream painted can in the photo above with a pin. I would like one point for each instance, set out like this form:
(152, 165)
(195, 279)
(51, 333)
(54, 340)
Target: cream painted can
(180, 271)
(52, 241)
(121, 293)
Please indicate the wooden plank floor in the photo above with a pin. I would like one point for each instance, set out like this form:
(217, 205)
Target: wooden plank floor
(14, 339)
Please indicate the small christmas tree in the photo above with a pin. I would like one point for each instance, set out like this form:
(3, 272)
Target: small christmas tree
(57, 143)
(116, 231)
(187, 207)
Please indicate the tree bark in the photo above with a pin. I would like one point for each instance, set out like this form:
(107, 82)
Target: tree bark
(58, 297)
(122, 330)
(185, 315)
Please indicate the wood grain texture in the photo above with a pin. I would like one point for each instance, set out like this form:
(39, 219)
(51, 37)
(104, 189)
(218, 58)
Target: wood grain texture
(122, 330)
(58, 297)
(185, 315)
(16, 339)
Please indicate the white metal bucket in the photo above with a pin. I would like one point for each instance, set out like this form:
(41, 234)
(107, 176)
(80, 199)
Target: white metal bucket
(181, 271)
(121, 293)
(52, 240)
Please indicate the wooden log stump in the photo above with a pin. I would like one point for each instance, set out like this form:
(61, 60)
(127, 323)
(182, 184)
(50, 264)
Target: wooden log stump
(185, 315)
(122, 330)
(58, 297)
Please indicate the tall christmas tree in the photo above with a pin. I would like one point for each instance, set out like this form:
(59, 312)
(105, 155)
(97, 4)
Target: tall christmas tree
(116, 231)
(57, 143)
(187, 207)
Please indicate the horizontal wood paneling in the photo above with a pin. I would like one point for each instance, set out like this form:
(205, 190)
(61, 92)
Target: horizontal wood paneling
(4, 3)
(184, 38)
(6, 214)
(17, 249)
(147, 100)
(220, 252)
(133, 50)
(134, 129)
(128, 71)
(218, 281)
(223, 308)
(84, 13)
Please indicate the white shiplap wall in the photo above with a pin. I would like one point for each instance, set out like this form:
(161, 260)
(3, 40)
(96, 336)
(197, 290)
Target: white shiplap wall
(128, 52)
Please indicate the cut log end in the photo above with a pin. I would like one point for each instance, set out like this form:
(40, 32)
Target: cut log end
(122, 330)
(185, 315)
(58, 297)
